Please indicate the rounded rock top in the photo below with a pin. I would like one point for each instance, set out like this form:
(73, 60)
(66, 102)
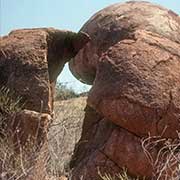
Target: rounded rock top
(123, 18)
(119, 22)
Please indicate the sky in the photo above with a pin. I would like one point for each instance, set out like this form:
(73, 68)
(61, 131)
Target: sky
(61, 14)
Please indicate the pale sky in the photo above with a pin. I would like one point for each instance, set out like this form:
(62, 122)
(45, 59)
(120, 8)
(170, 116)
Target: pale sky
(62, 14)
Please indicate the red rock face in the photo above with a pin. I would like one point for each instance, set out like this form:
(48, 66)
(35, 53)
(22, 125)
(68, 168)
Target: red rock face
(117, 22)
(133, 63)
(29, 127)
(24, 67)
(30, 61)
(138, 87)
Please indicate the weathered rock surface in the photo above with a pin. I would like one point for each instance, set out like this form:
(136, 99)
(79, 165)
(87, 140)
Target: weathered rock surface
(138, 85)
(133, 63)
(117, 22)
(29, 127)
(30, 61)
(24, 67)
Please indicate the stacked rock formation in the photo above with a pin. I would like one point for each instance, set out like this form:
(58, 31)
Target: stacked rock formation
(30, 61)
(133, 64)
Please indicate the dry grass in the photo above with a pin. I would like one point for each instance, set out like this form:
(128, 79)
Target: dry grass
(16, 162)
(120, 176)
(166, 166)
(53, 158)
(64, 133)
(12, 166)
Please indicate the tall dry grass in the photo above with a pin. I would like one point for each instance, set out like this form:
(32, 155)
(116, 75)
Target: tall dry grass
(47, 165)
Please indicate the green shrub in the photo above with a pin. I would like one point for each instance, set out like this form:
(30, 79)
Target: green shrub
(64, 93)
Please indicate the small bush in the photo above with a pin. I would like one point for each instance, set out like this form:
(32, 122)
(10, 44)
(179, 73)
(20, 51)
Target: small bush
(64, 93)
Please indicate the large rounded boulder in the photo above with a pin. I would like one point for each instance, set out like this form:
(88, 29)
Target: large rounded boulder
(133, 64)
